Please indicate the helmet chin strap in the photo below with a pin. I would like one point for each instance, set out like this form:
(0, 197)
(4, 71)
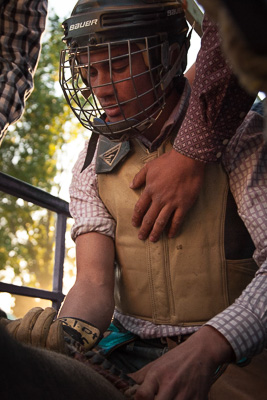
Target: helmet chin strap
(122, 130)
(166, 81)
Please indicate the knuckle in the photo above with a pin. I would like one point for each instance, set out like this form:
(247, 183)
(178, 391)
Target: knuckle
(137, 209)
(177, 221)
(161, 222)
(158, 199)
(147, 192)
(148, 221)
(178, 216)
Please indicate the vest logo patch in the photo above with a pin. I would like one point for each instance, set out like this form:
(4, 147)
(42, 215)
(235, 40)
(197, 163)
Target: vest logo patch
(110, 156)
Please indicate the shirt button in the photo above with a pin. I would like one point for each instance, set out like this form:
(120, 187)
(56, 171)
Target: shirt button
(225, 141)
(218, 155)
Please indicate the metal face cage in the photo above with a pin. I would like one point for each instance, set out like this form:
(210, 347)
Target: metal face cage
(127, 99)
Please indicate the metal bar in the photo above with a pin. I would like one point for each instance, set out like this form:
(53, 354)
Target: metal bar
(31, 292)
(17, 188)
(20, 189)
(59, 252)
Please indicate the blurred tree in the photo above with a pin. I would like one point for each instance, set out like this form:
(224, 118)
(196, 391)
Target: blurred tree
(30, 152)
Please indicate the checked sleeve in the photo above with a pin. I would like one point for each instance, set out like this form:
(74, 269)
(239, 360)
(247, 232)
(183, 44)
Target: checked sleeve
(21, 26)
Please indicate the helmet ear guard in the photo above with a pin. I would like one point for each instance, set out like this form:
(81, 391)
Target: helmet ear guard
(124, 129)
(177, 60)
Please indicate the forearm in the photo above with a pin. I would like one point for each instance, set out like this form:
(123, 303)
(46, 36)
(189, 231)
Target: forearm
(89, 303)
(91, 298)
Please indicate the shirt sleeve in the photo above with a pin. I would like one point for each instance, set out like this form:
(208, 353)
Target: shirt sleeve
(244, 323)
(21, 26)
(218, 104)
(86, 207)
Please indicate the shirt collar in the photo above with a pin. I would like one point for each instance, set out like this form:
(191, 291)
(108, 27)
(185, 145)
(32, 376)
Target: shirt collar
(173, 122)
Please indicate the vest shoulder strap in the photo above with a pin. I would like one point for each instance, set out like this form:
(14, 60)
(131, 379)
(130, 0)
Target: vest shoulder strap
(110, 154)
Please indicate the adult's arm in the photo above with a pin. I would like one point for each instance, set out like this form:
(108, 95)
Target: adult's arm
(185, 372)
(244, 323)
(241, 329)
(217, 107)
(21, 26)
(218, 104)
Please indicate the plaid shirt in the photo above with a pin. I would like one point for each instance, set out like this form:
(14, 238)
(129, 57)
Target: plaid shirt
(21, 26)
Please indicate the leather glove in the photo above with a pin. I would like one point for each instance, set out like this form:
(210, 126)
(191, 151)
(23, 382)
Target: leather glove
(38, 328)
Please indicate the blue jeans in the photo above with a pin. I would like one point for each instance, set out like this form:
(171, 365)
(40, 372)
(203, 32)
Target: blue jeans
(132, 356)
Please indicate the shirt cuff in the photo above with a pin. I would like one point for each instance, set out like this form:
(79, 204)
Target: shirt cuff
(200, 147)
(93, 225)
(243, 330)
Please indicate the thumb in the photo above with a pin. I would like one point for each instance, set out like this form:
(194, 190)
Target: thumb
(139, 179)
(139, 375)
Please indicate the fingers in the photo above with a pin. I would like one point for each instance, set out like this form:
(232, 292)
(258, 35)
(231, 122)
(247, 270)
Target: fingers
(130, 393)
(41, 328)
(148, 390)
(25, 328)
(173, 183)
(153, 216)
(180, 214)
(176, 222)
(55, 339)
(154, 389)
(154, 223)
(154, 219)
(12, 327)
(139, 390)
(139, 179)
(140, 208)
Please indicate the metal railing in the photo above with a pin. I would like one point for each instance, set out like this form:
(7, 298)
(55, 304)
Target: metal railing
(27, 192)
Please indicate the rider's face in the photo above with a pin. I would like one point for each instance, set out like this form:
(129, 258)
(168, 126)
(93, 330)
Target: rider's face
(118, 83)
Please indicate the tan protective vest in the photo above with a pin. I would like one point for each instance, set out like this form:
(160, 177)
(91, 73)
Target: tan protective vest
(181, 281)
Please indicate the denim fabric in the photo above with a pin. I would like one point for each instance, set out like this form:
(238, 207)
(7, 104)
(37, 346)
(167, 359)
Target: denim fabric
(133, 356)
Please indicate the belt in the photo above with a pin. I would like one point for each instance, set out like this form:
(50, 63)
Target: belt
(170, 342)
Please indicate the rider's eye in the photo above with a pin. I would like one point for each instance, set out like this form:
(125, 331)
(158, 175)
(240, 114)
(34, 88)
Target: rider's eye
(93, 72)
(120, 65)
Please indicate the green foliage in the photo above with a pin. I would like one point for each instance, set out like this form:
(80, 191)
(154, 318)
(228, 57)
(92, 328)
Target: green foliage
(30, 153)
(36, 138)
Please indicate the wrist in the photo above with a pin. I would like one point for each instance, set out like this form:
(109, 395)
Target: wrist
(81, 331)
(186, 158)
(216, 347)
